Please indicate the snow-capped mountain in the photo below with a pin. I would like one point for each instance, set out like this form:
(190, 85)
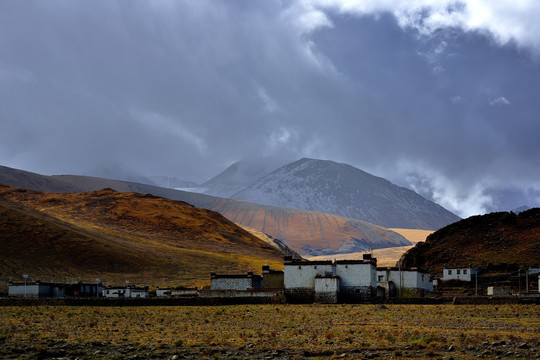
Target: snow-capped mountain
(330, 187)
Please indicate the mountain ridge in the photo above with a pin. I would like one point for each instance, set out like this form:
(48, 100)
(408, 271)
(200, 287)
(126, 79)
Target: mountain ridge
(234, 210)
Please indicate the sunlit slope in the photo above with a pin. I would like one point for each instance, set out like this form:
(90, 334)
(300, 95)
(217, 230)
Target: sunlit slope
(115, 235)
(310, 233)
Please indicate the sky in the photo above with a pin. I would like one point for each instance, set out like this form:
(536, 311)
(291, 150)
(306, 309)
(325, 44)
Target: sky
(439, 96)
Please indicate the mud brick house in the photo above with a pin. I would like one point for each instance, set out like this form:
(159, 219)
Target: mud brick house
(413, 279)
(240, 282)
(272, 279)
(327, 281)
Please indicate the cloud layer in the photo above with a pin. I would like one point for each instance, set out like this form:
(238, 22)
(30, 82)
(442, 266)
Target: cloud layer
(439, 96)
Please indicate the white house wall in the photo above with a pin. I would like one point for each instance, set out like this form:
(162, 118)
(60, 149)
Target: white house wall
(231, 283)
(357, 275)
(303, 276)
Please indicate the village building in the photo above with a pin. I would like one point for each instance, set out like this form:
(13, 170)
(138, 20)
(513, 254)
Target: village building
(272, 279)
(413, 279)
(358, 278)
(499, 291)
(463, 274)
(36, 289)
(130, 291)
(326, 281)
(239, 282)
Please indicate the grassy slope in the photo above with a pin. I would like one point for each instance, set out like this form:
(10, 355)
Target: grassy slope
(492, 242)
(121, 236)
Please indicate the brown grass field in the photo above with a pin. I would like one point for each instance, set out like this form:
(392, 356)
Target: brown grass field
(271, 331)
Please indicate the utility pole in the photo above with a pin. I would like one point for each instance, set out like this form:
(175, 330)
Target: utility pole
(400, 285)
(25, 277)
(527, 281)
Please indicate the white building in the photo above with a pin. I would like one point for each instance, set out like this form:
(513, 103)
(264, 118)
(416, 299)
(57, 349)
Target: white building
(413, 279)
(358, 278)
(36, 289)
(463, 274)
(240, 282)
(126, 292)
(355, 280)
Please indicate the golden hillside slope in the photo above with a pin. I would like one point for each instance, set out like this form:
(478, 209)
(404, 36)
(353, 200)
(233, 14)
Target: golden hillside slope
(385, 256)
(121, 236)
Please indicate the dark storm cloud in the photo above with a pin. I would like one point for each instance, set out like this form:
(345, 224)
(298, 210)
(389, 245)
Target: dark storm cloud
(443, 102)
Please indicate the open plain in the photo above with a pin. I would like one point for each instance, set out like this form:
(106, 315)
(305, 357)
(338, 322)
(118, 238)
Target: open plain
(271, 331)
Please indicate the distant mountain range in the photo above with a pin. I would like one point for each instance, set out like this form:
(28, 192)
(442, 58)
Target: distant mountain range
(495, 242)
(340, 189)
(303, 231)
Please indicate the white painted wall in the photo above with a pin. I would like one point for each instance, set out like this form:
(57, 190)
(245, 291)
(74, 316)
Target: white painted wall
(223, 283)
(410, 279)
(303, 276)
(326, 284)
(353, 275)
(32, 290)
(463, 274)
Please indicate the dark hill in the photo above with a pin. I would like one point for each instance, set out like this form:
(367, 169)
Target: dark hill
(494, 242)
(121, 236)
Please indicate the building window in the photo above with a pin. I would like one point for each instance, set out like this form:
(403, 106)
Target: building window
(464, 272)
(422, 278)
(449, 272)
(381, 278)
(458, 272)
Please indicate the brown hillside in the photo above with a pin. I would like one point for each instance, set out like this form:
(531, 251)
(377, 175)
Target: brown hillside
(305, 232)
(494, 242)
(115, 235)
(309, 232)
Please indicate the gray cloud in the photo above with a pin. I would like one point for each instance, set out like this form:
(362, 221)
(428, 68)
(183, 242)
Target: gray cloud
(438, 97)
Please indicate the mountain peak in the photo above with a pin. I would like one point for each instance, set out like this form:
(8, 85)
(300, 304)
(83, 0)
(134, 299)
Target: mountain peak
(341, 189)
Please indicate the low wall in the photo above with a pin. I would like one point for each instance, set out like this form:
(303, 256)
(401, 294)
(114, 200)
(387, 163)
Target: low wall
(154, 301)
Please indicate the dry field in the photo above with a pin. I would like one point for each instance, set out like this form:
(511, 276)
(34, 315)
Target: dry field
(385, 256)
(271, 331)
